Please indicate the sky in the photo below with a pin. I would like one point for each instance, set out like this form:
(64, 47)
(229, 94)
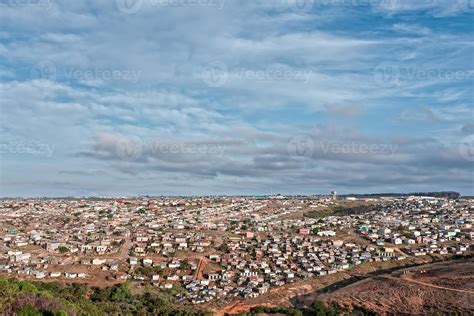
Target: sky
(222, 97)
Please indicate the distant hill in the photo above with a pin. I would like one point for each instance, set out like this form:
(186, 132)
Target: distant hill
(443, 194)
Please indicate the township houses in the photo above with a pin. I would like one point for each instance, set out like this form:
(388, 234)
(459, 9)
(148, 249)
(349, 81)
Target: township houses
(221, 247)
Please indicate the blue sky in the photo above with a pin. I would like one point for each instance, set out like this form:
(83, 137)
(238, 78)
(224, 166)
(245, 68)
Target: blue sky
(191, 97)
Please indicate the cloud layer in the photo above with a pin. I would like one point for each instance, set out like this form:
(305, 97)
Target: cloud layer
(235, 97)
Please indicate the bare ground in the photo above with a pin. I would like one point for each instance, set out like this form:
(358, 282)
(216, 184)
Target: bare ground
(383, 292)
(445, 288)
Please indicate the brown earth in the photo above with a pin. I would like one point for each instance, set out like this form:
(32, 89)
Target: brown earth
(444, 287)
(304, 292)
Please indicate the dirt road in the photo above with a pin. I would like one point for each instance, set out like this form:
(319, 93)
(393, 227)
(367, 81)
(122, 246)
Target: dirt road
(200, 269)
(432, 285)
(125, 249)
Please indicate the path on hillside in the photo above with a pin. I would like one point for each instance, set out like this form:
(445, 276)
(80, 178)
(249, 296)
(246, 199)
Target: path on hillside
(125, 249)
(200, 269)
(433, 286)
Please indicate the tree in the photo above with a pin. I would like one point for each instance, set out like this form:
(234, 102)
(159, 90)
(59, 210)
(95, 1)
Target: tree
(63, 249)
(29, 310)
(318, 308)
(185, 265)
(224, 248)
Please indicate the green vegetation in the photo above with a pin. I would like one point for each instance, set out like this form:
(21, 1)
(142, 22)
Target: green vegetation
(185, 265)
(224, 248)
(318, 308)
(63, 249)
(273, 310)
(318, 214)
(149, 271)
(34, 298)
(332, 210)
(339, 210)
(30, 310)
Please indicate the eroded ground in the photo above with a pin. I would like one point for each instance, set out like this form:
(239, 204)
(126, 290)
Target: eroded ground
(446, 287)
